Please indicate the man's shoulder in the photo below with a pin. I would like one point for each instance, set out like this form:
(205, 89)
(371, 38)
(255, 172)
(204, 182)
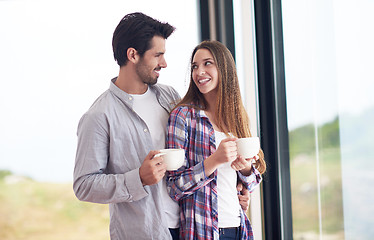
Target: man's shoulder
(101, 107)
(102, 102)
(167, 90)
(164, 86)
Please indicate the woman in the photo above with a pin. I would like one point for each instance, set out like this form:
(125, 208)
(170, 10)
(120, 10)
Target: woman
(206, 123)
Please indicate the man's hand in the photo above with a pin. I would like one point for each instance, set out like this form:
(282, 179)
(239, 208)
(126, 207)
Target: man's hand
(152, 170)
(243, 196)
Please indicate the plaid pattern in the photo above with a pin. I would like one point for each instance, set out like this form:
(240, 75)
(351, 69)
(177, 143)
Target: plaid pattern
(191, 130)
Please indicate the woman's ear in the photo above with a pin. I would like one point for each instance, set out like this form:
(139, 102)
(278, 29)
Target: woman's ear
(132, 55)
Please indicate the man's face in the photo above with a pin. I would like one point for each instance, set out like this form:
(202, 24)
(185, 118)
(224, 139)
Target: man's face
(152, 61)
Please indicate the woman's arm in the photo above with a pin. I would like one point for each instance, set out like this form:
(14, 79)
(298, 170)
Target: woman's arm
(191, 176)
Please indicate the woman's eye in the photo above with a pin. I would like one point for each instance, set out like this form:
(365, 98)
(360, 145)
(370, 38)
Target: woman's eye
(208, 63)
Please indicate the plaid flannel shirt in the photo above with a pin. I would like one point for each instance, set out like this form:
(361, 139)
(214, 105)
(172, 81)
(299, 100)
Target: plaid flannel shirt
(190, 129)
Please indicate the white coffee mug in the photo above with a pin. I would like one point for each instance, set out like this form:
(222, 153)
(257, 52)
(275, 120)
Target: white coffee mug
(173, 158)
(248, 147)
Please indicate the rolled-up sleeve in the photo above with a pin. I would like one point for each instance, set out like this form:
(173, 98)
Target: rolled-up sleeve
(252, 181)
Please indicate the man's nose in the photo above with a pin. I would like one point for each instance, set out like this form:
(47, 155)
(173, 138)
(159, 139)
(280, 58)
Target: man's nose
(163, 63)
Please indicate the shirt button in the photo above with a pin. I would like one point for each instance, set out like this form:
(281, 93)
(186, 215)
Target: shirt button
(145, 130)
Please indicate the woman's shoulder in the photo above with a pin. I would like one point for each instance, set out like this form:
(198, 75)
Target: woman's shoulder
(185, 108)
(184, 111)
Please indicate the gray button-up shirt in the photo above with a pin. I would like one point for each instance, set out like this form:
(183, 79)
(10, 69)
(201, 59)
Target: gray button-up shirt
(112, 144)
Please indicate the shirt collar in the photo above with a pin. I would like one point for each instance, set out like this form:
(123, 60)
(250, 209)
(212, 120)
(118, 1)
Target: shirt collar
(128, 99)
(201, 113)
(124, 96)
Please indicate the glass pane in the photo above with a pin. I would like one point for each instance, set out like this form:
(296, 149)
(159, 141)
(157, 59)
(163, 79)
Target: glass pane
(245, 64)
(328, 47)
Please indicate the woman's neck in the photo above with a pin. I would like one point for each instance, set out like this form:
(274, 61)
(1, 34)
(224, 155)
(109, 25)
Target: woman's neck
(211, 100)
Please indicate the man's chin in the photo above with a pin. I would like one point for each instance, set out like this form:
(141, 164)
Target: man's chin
(151, 82)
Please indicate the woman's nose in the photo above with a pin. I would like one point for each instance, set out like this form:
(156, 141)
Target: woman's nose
(200, 71)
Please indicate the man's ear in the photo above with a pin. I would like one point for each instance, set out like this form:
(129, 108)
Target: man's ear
(132, 55)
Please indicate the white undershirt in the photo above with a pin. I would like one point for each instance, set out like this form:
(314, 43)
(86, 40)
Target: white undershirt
(228, 202)
(156, 118)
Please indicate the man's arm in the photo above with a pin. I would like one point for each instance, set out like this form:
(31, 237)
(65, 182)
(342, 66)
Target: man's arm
(92, 182)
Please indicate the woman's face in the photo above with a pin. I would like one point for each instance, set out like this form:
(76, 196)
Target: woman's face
(204, 71)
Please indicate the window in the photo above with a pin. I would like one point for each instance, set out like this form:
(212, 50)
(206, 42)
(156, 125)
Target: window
(328, 51)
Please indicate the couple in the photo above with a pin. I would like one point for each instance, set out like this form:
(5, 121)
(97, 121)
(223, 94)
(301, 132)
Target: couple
(118, 135)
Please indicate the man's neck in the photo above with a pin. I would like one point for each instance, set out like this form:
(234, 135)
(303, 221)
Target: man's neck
(129, 82)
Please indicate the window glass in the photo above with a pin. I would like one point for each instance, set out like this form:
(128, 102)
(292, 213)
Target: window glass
(328, 48)
(246, 70)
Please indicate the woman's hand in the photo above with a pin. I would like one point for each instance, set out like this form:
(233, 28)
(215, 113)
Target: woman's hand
(241, 163)
(244, 165)
(226, 152)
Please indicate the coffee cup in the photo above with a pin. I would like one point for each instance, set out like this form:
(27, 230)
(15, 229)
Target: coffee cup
(248, 147)
(173, 158)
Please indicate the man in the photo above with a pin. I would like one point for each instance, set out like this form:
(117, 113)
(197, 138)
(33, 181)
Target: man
(117, 136)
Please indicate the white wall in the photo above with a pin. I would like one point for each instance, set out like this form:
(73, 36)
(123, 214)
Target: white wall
(55, 60)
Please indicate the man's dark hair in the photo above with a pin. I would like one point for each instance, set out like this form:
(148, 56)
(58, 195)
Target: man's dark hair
(136, 30)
